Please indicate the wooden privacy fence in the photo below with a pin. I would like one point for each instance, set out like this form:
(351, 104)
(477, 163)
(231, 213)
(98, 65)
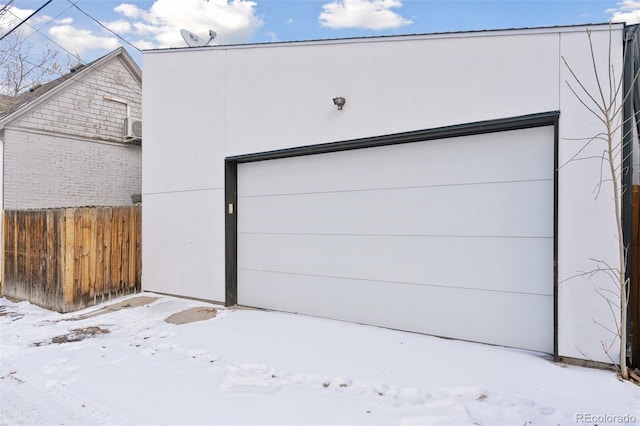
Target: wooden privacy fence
(70, 258)
(634, 259)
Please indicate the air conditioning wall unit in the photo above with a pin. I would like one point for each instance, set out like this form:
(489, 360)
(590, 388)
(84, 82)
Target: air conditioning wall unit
(132, 130)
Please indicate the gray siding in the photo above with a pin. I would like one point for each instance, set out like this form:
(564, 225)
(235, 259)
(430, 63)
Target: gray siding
(81, 111)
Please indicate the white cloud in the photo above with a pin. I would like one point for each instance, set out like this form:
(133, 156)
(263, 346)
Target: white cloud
(79, 41)
(64, 21)
(272, 36)
(121, 26)
(145, 29)
(143, 44)
(626, 11)
(369, 14)
(14, 15)
(128, 10)
(235, 21)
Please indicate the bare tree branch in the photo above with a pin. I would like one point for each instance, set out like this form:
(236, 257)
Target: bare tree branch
(22, 65)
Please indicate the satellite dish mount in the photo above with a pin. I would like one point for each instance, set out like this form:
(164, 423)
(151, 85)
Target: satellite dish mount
(193, 40)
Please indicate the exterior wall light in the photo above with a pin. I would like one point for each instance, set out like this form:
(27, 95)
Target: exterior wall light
(339, 102)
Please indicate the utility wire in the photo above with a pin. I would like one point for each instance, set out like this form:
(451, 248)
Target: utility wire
(4, 8)
(26, 19)
(43, 25)
(73, 55)
(104, 26)
(38, 30)
(43, 34)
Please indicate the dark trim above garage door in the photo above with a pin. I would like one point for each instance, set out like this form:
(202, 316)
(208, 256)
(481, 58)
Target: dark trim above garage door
(467, 129)
(504, 124)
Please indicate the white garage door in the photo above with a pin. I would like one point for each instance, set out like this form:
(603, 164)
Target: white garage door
(451, 237)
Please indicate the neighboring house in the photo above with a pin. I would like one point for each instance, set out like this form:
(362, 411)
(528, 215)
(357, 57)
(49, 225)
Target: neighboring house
(64, 144)
(440, 198)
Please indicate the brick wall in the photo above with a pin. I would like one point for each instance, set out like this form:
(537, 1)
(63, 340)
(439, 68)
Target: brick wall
(52, 171)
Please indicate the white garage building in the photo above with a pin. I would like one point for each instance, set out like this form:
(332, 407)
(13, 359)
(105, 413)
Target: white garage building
(432, 201)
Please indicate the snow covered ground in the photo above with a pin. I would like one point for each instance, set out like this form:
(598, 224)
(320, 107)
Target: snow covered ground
(253, 367)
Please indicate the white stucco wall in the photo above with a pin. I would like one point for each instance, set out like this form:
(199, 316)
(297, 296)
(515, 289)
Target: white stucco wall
(245, 99)
(586, 220)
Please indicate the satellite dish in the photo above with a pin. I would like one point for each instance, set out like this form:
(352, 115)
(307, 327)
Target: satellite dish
(193, 40)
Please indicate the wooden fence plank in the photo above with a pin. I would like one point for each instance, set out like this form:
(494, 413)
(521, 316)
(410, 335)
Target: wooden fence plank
(84, 229)
(132, 250)
(116, 237)
(139, 249)
(108, 227)
(41, 283)
(634, 298)
(9, 259)
(77, 256)
(56, 237)
(16, 251)
(69, 250)
(24, 252)
(5, 253)
(37, 256)
(99, 259)
(125, 248)
(16, 236)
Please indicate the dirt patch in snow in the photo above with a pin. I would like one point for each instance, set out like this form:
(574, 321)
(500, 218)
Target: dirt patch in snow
(76, 335)
(129, 303)
(9, 314)
(192, 315)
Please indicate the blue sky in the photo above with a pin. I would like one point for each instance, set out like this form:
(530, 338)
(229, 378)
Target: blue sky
(156, 24)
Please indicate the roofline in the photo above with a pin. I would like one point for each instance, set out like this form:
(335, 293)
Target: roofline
(120, 51)
(401, 37)
(130, 64)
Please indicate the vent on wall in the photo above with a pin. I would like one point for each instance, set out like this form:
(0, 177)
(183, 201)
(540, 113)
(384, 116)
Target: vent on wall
(132, 130)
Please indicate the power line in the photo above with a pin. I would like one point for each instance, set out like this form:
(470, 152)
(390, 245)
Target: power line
(67, 51)
(38, 30)
(26, 19)
(104, 26)
(4, 8)
(43, 34)
(43, 25)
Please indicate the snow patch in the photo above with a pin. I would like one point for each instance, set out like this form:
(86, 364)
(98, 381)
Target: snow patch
(288, 369)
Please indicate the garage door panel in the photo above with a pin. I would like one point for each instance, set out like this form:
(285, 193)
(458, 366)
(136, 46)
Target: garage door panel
(497, 157)
(510, 319)
(505, 209)
(477, 263)
(451, 237)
